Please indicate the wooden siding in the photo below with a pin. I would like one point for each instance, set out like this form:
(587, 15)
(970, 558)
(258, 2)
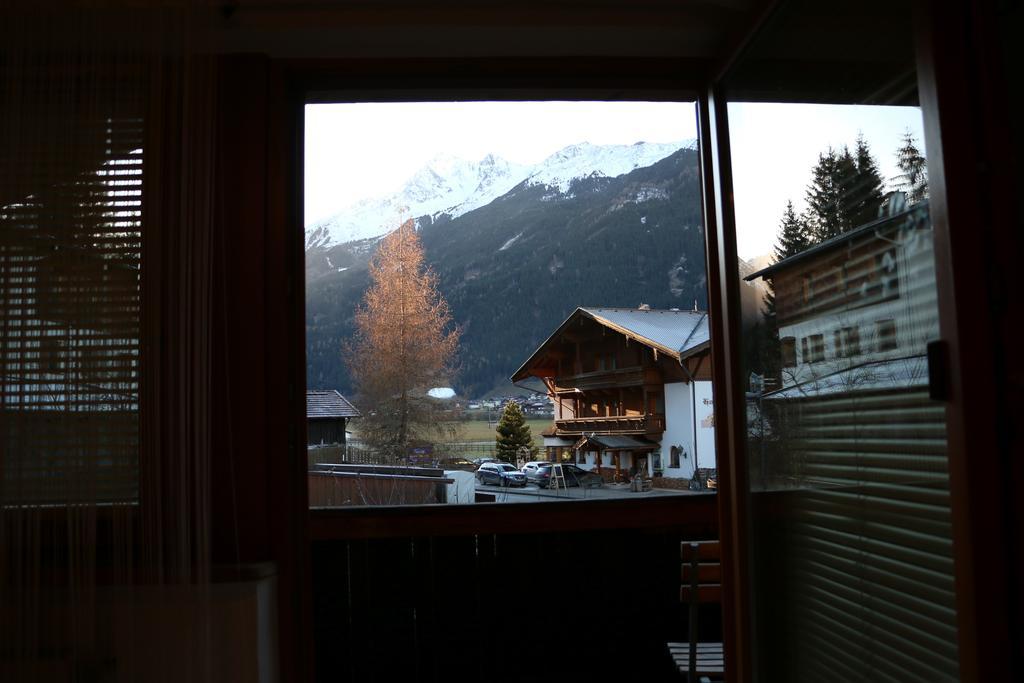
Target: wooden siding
(844, 278)
(639, 424)
(329, 431)
(334, 489)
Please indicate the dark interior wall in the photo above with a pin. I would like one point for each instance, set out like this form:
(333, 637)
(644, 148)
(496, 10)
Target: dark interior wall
(240, 478)
(1004, 82)
(256, 514)
(258, 489)
(968, 86)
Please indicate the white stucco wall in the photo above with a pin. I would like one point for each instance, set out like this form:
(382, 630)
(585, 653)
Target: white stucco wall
(568, 408)
(695, 437)
(463, 489)
(678, 429)
(705, 406)
(589, 461)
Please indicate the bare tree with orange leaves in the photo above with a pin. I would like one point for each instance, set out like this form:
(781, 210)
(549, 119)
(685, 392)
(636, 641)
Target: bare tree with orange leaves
(405, 344)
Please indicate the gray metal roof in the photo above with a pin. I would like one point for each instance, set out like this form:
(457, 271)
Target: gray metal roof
(328, 404)
(675, 332)
(921, 209)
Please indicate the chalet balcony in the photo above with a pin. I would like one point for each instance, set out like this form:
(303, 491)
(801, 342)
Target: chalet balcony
(609, 379)
(616, 424)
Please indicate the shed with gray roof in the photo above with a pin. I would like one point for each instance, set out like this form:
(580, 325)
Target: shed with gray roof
(327, 414)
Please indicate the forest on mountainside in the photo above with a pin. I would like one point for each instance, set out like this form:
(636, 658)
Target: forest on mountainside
(514, 269)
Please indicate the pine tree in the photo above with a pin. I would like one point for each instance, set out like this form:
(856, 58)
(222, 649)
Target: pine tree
(404, 346)
(830, 196)
(793, 237)
(512, 433)
(868, 186)
(914, 177)
(794, 234)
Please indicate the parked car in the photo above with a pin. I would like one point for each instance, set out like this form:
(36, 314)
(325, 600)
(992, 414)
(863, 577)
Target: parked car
(574, 476)
(704, 479)
(501, 474)
(457, 464)
(532, 468)
(481, 461)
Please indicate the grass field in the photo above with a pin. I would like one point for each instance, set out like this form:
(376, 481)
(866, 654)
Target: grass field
(479, 430)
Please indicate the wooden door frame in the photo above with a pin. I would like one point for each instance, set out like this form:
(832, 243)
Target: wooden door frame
(970, 166)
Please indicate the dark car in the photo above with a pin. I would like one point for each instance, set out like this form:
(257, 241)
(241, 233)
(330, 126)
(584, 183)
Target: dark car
(532, 469)
(501, 474)
(574, 476)
(457, 464)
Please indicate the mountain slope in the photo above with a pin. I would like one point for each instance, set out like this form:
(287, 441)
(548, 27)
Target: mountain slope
(451, 186)
(514, 269)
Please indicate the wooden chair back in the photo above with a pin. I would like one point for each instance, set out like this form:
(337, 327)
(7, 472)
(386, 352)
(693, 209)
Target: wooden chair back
(701, 584)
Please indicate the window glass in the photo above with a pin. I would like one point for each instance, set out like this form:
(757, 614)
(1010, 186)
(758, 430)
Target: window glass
(788, 352)
(70, 322)
(503, 280)
(850, 532)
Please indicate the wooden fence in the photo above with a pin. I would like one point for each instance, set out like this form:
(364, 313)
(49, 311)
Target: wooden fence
(357, 453)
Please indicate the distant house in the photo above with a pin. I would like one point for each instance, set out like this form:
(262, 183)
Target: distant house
(854, 313)
(631, 390)
(855, 316)
(327, 414)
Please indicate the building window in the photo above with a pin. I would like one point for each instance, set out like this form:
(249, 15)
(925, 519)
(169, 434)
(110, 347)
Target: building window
(885, 266)
(885, 332)
(673, 455)
(813, 348)
(847, 342)
(788, 345)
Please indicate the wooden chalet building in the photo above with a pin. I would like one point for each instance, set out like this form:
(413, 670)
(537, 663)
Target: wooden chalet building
(327, 415)
(631, 390)
(856, 312)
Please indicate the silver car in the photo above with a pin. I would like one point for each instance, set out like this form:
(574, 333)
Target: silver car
(532, 469)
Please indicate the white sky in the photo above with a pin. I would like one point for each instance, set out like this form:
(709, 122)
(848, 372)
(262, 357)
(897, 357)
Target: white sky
(775, 146)
(357, 151)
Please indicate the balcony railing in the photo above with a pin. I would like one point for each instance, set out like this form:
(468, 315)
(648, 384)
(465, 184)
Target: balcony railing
(617, 424)
(602, 379)
(419, 593)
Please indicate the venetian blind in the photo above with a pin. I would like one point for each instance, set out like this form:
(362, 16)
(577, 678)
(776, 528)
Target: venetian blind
(107, 113)
(855, 554)
(69, 331)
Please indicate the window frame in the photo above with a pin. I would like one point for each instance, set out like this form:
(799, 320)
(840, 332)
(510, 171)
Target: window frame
(305, 82)
(959, 88)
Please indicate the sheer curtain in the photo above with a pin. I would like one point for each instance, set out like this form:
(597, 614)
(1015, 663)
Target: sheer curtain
(107, 148)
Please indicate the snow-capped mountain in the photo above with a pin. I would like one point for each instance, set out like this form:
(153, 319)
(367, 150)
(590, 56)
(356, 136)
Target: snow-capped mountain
(446, 185)
(586, 160)
(521, 263)
(453, 186)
